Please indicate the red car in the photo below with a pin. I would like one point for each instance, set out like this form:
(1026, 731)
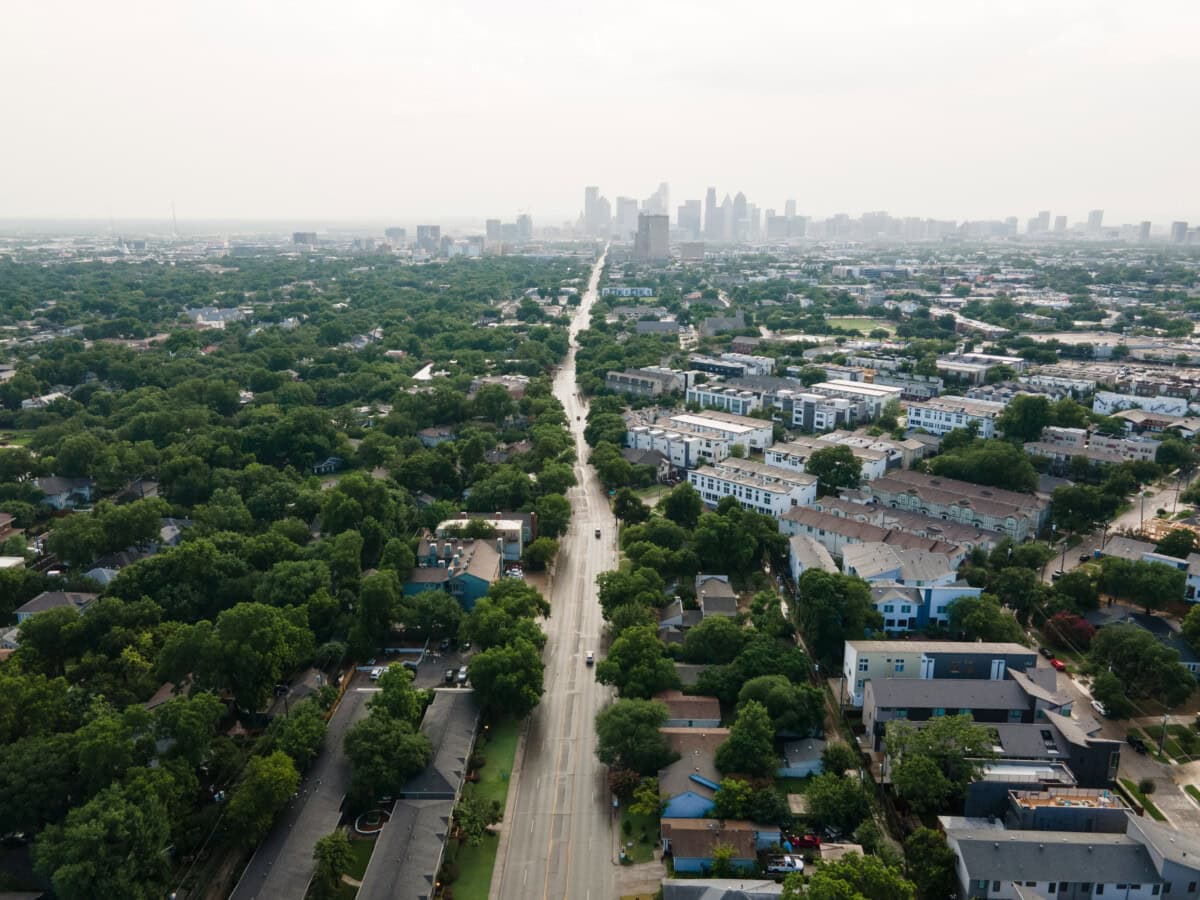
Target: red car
(803, 840)
(1059, 665)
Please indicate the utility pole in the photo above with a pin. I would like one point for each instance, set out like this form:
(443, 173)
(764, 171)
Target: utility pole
(1162, 736)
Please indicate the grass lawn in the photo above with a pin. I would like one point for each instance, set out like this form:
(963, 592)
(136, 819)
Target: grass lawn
(1192, 791)
(361, 849)
(633, 828)
(16, 438)
(651, 495)
(865, 325)
(1148, 804)
(475, 864)
(792, 785)
(1182, 744)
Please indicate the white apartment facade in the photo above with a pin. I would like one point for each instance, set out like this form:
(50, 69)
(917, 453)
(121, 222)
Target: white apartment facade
(794, 456)
(755, 486)
(941, 415)
(725, 398)
(750, 434)
(873, 396)
(684, 450)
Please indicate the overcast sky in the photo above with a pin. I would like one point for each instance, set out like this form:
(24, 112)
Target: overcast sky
(392, 109)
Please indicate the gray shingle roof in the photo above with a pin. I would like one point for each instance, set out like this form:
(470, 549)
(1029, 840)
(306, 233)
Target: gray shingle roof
(947, 693)
(1054, 856)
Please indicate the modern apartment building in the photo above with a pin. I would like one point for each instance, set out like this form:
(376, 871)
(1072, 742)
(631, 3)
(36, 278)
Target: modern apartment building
(794, 455)
(684, 450)
(651, 381)
(941, 415)
(750, 434)
(755, 486)
(726, 398)
(1018, 515)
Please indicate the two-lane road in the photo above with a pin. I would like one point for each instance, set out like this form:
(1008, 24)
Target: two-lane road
(559, 840)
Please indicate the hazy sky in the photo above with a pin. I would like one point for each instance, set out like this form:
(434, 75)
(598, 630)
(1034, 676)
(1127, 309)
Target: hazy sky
(393, 109)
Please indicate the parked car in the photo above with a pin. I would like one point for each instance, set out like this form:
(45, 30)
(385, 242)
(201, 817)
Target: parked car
(1085, 557)
(1135, 742)
(411, 664)
(444, 645)
(376, 672)
(1099, 707)
(590, 659)
(461, 678)
(803, 840)
(1057, 574)
(782, 865)
(1058, 664)
(449, 676)
(1046, 652)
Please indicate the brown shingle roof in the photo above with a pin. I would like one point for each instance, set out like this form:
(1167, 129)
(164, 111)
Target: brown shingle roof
(696, 838)
(689, 706)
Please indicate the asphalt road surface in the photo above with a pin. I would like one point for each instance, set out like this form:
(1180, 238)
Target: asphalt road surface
(283, 864)
(559, 841)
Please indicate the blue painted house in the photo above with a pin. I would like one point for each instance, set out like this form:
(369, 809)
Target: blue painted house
(690, 783)
(691, 842)
(464, 568)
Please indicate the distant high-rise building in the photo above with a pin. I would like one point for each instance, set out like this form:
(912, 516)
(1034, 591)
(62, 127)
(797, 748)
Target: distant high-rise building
(492, 227)
(741, 218)
(1144, 232)
(652, 237)
(1044, 220)
(396, 235)
(597, 213)
(626, 223)
(778, 227)
(727, 219)
(509, 233)
(308, 238)
(712, 216)
(657, 204)
(1095, 221)
(429, 238)
(789, 209)
(688, 218)
(1179, 232)
(1060, 224)
(524, 227)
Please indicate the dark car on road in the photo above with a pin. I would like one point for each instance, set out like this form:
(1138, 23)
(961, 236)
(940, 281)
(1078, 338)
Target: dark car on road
(1136, 743)
(1046, 652)
(449, 676)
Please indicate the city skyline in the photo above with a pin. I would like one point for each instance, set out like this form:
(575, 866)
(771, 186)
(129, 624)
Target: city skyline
(948, 110)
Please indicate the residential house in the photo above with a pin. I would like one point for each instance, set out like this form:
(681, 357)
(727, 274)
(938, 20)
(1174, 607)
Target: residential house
(751, 434)
(716, 596)
(1018, 515)
(806, 553)
(690, 783)
(1150, 859)
(801, 758)
(962, 534)
(464, 568)
(720, 889)
(864, 660)
(654, 459)
(692, 842)
(435, 435)
(509, 531)
(1020, 697)
(690, 710)
(835, 533)
(683, 449)
(649, 381)
(54, 600)
(66, 493)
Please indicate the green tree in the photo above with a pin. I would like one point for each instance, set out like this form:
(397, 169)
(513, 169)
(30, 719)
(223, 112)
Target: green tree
(629, 508)
(920, 783)
(982, 619)
(115, 845)
(1178, 543)
(1110, 691)
(955, 745)
(852, 877)
(252, 648)
(334, 857)
(1148, 584)
(795, 709)
(832, 609)
(554, 514)
(628, 736)
(637, 664)
(1175, 454)
(1024, 417)
(266, 786)
(1191, 626)
(300, 733)
(835, 468)
(1143, 666)
(839, 758)
(473, 815)
(716, 639)
(682, 505)
(838, 802)
(397, 697)
(750, 747)
(995, 463)
(191, 724)
(930, 864)
(384, 753)
(1081, 507)
(540, 553)
(508, 678)
(646, 799)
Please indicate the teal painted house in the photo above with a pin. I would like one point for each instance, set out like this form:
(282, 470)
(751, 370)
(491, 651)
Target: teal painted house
(464, 568)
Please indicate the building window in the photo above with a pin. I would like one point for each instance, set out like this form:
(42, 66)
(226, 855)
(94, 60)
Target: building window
(899, 665)
(939, 711)
(1052, 888)
(995, 885)
(864, 665)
